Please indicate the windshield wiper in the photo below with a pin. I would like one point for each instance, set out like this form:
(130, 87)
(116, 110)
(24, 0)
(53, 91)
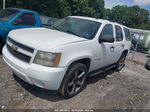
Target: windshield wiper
(55, 28)
(68, 31)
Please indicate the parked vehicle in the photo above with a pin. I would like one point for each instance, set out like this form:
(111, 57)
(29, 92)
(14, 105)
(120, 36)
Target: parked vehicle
(13, 18)
(61, 58)
(143, 41)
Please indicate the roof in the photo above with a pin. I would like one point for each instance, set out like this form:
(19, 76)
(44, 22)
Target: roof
(89, 18)
(25, 10)
(139, 30)
(98, 20)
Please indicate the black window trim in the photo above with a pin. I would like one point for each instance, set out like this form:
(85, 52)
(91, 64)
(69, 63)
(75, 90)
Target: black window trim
(124, 28)
(103, 29)
(116, 33)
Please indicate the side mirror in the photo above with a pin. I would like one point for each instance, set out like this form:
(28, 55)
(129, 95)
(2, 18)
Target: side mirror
(106, 38)
(17, 22)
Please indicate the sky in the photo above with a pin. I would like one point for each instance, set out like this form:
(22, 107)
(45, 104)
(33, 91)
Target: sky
(142, 3)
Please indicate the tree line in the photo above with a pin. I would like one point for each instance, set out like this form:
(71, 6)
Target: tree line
(134, 17)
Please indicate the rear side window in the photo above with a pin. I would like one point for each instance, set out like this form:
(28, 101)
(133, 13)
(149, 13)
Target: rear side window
(107, 31)
(28, 19)
(127, 34)
(119, 34)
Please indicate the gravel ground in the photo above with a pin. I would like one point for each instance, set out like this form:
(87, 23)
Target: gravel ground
(141, 57)
(128, 89)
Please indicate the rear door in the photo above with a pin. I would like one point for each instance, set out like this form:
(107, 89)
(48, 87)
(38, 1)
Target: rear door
(119, 43)
(127, 38)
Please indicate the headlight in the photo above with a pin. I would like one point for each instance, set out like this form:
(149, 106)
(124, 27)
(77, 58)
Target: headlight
(47, 59)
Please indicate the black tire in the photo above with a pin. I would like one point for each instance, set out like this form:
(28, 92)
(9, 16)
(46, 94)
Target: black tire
(121, 62)
(147, 66)
(74, 80)
(1, 46)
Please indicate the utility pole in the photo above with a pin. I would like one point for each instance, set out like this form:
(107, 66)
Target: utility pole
(3, 4)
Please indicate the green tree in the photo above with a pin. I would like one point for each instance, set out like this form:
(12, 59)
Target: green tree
(107, 14)
(98, 8)
(134, 17)
(61, 8)
(120, 14)
(138, 16)
(1, 4)
(80, 7)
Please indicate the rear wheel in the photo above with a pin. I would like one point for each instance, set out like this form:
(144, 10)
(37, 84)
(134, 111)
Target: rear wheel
(74, 80)
(121, 62)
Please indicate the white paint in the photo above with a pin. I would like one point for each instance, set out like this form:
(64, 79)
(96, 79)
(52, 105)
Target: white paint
(71, 47)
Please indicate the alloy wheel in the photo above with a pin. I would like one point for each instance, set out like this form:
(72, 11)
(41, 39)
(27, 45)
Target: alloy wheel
(77, 81)
(121, 63)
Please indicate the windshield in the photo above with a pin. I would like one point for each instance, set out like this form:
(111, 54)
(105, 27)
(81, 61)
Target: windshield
(79, 27)
(7, 14)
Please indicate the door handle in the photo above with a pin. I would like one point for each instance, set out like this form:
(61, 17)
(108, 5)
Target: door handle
(122, 45)
(112, 47)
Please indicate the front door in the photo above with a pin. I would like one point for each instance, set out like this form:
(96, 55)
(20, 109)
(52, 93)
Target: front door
(105, 50)
(108, 49)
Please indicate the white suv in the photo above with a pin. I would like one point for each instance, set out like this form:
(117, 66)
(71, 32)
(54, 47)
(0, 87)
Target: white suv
(62, 57)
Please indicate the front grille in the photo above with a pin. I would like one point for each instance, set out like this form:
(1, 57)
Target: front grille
(16, 53)
(19, 55)
(20, 45)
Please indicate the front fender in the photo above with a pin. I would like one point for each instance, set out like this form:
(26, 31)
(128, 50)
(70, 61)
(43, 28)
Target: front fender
(74, 59)
(76, 51)
(71, 56)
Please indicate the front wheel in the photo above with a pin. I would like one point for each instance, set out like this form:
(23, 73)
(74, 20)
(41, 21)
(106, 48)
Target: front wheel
(121, 62)
(74, 80)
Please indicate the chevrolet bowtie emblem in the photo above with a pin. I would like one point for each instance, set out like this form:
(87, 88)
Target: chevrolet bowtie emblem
(14, 48)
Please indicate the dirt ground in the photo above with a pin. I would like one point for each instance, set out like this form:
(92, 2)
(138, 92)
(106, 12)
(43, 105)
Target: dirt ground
(129, 89)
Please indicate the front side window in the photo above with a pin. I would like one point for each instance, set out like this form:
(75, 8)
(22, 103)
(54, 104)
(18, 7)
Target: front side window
(79, 27)
(107, 31)
(8, 14)
(27, 19)
(127, 34)
(119, 34)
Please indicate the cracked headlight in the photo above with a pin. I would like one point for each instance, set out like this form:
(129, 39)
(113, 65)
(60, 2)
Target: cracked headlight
(47, 59)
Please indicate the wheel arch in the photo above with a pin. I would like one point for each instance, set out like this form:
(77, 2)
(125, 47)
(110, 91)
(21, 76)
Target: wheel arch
(84, 60)
(125, 52)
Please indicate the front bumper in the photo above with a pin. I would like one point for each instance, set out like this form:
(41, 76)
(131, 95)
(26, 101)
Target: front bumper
(44, 77)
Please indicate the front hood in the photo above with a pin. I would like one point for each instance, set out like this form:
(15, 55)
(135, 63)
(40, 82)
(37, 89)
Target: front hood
(43, 38)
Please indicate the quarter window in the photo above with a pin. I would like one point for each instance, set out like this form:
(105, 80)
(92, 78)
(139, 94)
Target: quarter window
(119, 34)
(27, 19)
(127, 34)
(107, 31)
